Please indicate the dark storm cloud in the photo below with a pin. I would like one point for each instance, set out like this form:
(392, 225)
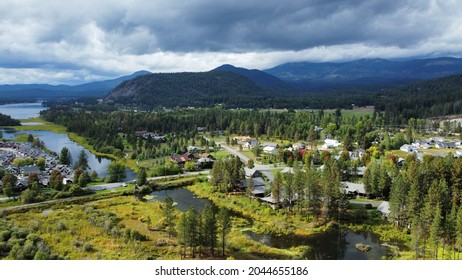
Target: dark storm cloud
(84, 40)
(291, 25)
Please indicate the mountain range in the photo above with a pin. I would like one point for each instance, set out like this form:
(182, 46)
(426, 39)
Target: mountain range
(310, 76)
(297, 78)
(43, 91)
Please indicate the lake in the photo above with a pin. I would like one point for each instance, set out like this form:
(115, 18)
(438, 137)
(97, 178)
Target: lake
(183, 197)
(22, 110)
(333, 244)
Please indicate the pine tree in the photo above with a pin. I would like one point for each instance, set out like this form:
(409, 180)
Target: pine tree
(250, 188)
(435, 232)
(276, 189)
(225, 227)
(192, 222)
(210, 228)
(398, 201)
(65, 157)
(169, 213)
(142, 176)
(82, 161)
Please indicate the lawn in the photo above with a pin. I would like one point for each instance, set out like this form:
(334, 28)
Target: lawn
(357, 111)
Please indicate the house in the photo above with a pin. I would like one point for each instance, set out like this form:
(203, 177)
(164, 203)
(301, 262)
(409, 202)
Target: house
(359, 152)
(330, 143)
(193, 149)
(421, 144)
(182, 159)
(288, 170)
(251, 144)
(299, 146)
(270, 150)
(434, 140)
(445, 145)
(21, 184)
(384, 209)
(252, 172)
(243, 138)
(360, 171)
(26, 170)
(458, 153)
(407, 148)
(354, 189)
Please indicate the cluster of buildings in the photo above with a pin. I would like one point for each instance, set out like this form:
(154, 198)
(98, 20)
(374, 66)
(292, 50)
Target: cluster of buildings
(10, 151)
(434, 142)
(150, 135)
(201, 160)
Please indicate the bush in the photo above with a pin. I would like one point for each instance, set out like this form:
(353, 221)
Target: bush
(5, 235)
(88, 247)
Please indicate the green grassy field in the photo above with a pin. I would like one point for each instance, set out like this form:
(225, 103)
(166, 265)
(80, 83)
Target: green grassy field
(358, 111)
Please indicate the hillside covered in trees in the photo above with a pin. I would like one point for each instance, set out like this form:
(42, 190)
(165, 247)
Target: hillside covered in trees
(189, 89)
(432, 98)
(237, 89)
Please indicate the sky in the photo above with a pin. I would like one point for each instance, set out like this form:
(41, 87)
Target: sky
(78, 41)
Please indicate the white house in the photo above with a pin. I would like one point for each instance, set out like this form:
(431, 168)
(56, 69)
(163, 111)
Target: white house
(421, 145)
(354, 188)
(407, 148)
(270, 150)
(299, 146)
(250, 144)
(330, 143)
(384, 209)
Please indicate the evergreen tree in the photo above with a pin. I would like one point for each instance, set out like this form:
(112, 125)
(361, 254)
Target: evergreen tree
(65, 157)
(116, 171)
(276, 189)
(142, 176)
(225, 227)
(192, 226)
(9, 182)
(459, 232)
(250, 188)
(82, 161)
(210, 229)
(56, 180)
(435, 232)
(169, 212)
(398, 201)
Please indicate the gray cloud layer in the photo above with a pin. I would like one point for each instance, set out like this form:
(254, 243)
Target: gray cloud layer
(71, 40)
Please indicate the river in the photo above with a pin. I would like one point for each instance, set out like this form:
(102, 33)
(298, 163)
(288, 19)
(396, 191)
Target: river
(55, 141)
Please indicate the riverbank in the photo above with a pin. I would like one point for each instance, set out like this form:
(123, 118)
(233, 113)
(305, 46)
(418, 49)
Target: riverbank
(269, 221)
(40, 124)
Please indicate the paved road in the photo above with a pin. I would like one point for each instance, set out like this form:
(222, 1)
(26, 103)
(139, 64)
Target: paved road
(237, 153)
(373, 203)
(265, 169)
(110, 186)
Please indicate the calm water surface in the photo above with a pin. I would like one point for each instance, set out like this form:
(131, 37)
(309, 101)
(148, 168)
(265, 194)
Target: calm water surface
(22, 110)
(183, 197)
(334, 244)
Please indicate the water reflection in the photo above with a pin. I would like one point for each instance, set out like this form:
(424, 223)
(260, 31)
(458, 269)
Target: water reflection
(56, 141)
(335, 244)
(183, 197)
(22, 110)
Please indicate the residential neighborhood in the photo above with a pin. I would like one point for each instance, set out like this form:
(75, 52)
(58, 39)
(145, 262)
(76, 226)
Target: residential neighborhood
(13, 152)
